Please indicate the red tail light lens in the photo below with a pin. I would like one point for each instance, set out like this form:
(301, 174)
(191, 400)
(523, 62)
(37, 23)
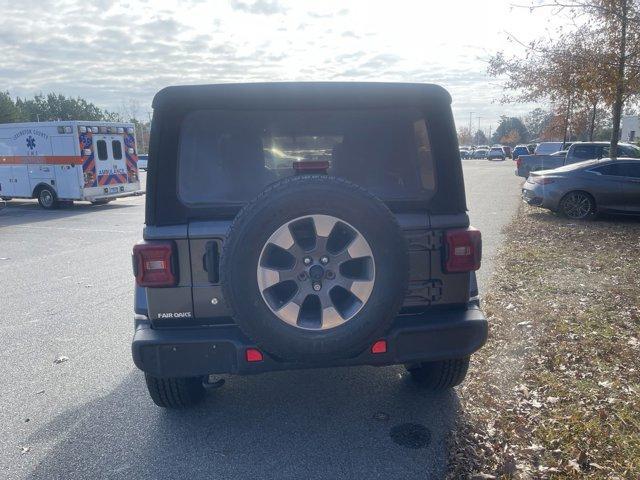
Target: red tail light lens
(379, 347)
(518, 162)
(463, 250)
(153, 264)
(253, 355)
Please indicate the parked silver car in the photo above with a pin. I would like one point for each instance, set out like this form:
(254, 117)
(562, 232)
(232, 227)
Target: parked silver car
(480, 153)
(583, 189)
(496, 153)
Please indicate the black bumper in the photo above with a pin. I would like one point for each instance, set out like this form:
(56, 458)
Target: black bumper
(186, 352)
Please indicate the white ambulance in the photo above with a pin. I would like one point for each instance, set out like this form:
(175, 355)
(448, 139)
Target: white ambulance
(68, 160)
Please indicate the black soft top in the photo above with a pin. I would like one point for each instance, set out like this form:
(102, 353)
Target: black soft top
(171, 104)
(299, 95)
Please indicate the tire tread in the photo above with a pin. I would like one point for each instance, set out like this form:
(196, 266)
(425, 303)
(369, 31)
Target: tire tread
(440, 375)
(175, 392)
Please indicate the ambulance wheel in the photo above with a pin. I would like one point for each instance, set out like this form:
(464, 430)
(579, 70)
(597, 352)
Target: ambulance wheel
(47, 198)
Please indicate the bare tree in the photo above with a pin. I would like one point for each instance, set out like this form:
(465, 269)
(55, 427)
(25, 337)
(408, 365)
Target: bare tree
(465, 137)
(598, 62)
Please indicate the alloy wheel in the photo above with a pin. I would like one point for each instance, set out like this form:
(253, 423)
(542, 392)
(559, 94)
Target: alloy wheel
(577, 205)
(316, 272)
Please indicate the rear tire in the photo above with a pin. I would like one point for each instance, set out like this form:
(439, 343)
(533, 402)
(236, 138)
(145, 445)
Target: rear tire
(175, 392)
(47, 198)
(578, 206)
(440, 375)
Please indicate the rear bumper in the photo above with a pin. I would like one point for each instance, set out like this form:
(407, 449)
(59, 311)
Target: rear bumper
(108, 196)
(186, 352)
(545, 196)
(531, 197)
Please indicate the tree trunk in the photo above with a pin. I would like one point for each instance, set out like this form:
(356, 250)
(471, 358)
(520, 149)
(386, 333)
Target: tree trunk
(592, 123)
(566, 122)
(620, 84)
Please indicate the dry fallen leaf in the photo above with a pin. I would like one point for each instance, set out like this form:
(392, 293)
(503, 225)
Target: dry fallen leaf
(61, 359)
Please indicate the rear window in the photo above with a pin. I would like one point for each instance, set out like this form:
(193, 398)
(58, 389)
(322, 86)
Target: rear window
(628, 151)
(230, 156)
(547, 148)
(101, 145)
(116, 147)
(585, 152)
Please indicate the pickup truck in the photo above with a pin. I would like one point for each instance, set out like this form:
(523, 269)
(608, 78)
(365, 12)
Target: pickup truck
(577, 152)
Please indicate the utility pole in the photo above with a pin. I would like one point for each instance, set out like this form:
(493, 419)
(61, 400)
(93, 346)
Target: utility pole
(470, 114)
(479, 118)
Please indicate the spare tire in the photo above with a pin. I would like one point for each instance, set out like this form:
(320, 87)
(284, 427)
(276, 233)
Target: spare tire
(314, 268)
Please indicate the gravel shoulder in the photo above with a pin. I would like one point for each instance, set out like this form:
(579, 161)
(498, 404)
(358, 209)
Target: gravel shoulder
(554, 393)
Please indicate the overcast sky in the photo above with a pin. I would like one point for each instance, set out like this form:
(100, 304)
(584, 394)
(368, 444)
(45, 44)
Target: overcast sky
(110, 52)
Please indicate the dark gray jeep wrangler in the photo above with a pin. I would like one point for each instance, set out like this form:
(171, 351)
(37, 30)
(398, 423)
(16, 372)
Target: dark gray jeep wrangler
(303, 225)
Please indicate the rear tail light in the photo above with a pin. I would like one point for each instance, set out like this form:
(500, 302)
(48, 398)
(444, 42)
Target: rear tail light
(379, 347)
(154, 264)
(463, 250)
(518, 162)
(542, 180)
(253, 355)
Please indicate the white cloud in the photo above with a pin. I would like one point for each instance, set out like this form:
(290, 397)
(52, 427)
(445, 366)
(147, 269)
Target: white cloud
(111, 52)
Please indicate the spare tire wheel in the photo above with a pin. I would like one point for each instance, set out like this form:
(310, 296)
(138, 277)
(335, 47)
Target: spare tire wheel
(314, 268)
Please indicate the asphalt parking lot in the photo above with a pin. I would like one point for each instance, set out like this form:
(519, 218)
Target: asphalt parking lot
(67, 295)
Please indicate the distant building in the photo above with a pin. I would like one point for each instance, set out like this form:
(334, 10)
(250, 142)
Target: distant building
(630, 131)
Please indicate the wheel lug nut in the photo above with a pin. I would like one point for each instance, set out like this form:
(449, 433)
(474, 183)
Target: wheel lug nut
(302, 276)
(317, 287)
(330, 275)
(324, 259)
(307, 260)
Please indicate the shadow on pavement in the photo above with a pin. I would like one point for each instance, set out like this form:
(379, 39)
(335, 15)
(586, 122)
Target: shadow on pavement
(302, 424)
(554, 218)
(18, 212)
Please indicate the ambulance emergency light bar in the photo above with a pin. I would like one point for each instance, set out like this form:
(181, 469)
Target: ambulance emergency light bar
(84, 129)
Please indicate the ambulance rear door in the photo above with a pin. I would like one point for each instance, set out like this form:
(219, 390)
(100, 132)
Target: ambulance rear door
(111, 164)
